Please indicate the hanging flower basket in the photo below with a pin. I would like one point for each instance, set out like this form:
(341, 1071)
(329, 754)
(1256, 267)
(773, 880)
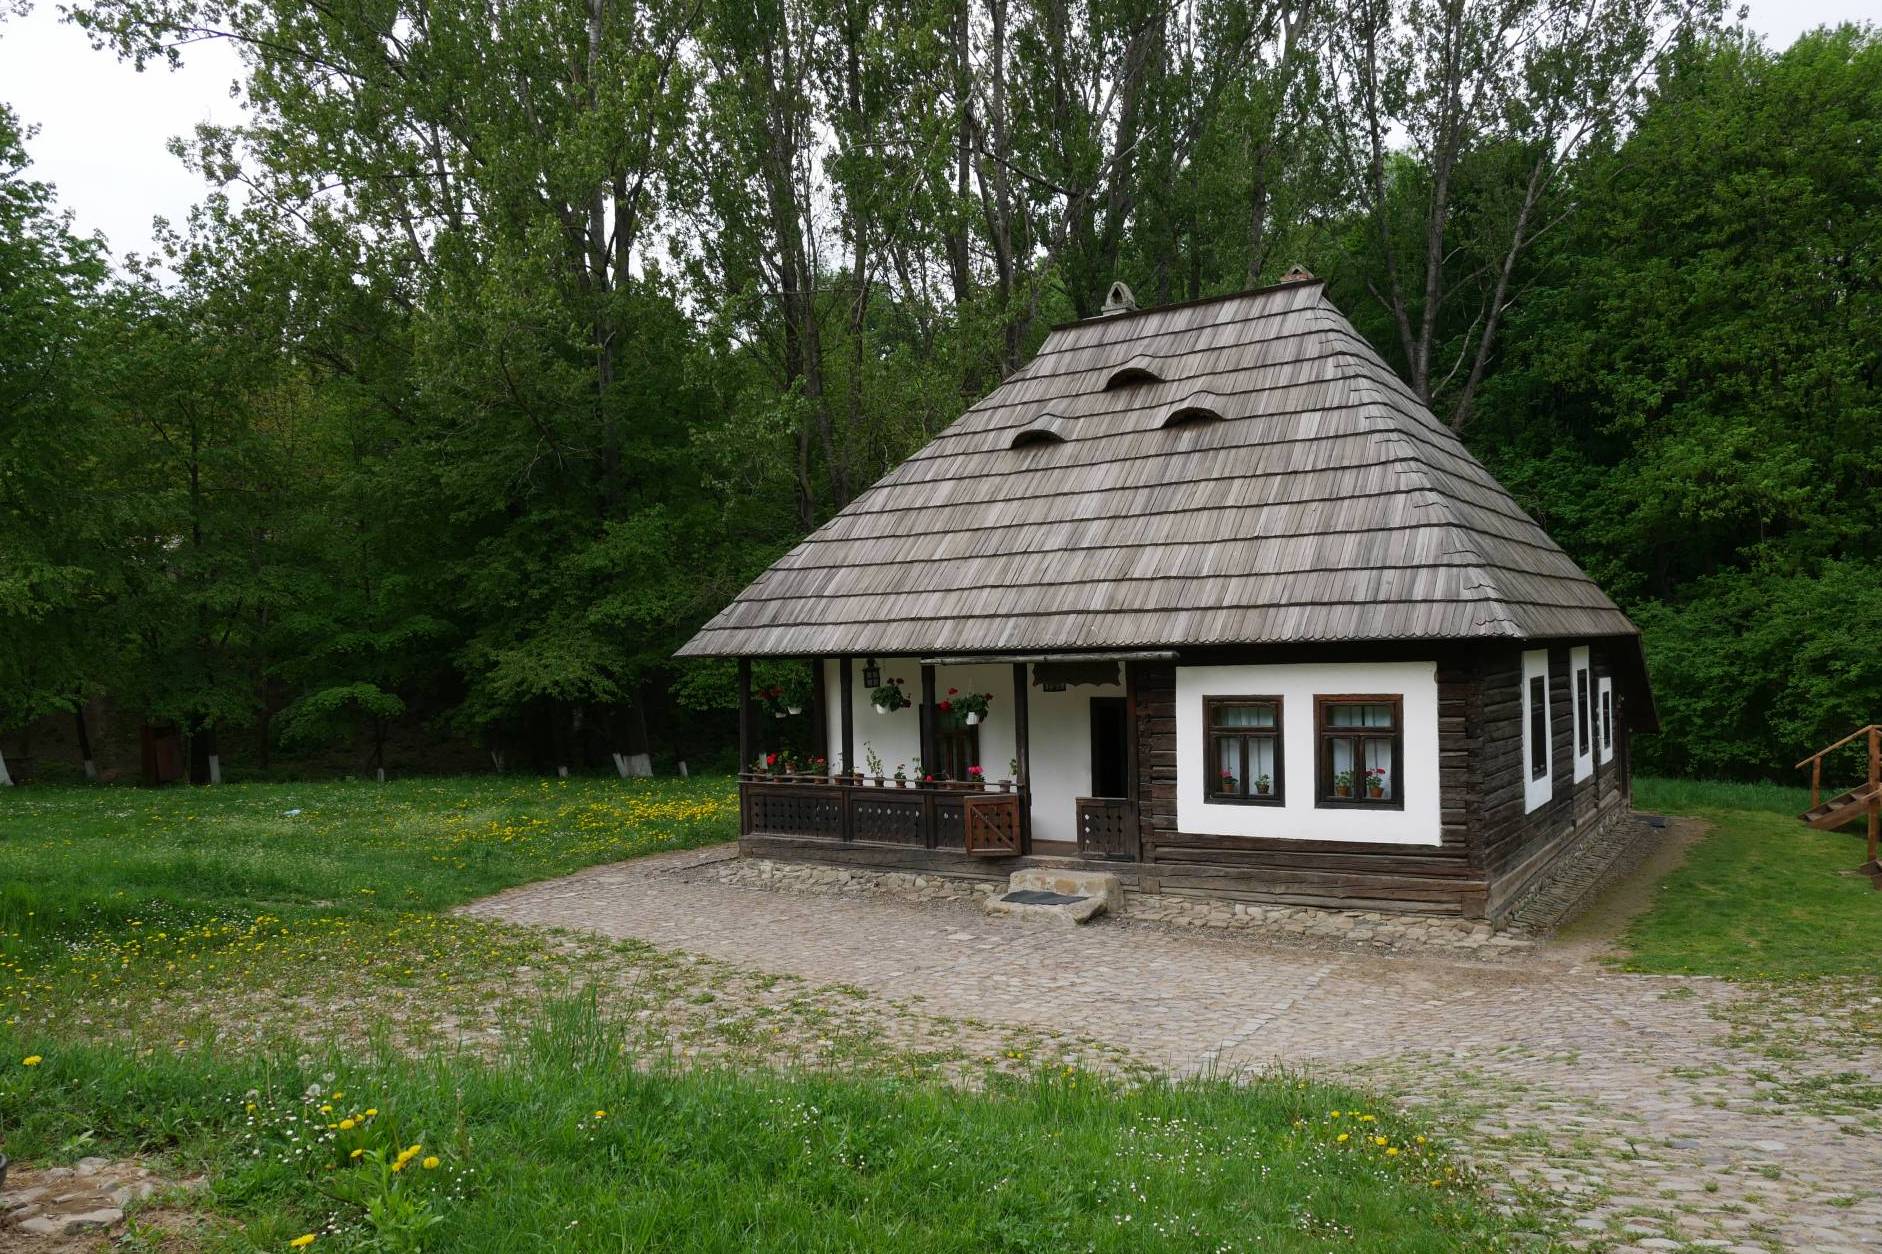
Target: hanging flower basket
(971, 706)
(889, 697)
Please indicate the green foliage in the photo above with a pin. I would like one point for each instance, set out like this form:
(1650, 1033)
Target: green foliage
(535, 337)
(1691, 388)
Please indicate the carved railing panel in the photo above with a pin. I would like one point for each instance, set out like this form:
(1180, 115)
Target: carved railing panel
(931, 818)
(991, 823)
(1107, 827)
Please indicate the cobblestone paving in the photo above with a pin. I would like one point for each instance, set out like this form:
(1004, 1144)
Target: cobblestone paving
(1617, 1098)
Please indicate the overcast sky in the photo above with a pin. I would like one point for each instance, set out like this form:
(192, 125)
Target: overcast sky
(103, 126)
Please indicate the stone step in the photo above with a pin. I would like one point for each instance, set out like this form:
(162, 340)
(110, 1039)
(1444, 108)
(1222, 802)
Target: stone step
(1057, 895)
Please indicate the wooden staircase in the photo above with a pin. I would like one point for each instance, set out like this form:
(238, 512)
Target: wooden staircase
(1865, 798)
(1841, 809)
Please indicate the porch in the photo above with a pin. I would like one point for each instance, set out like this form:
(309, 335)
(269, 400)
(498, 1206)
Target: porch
(1046, 765)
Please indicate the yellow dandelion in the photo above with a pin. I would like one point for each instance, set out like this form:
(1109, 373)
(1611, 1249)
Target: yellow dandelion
(356, 1153)
(371, 1111)
(601, 1114)
(1419, 1139)
(431, 1162)
(1336, 1114)
(1392, 1153)
(347, 1125)
(31, 1060)
(1378, 1140)
(303, 1241)
(1341, 1137)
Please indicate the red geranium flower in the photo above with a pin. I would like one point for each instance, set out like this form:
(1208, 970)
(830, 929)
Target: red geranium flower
(943, 706)
(953, 691)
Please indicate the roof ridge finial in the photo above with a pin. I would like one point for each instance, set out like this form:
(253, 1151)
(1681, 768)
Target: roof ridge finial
(1297, 273)
(1119, 299)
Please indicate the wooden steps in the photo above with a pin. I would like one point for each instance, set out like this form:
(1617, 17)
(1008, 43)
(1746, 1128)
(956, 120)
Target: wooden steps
(1841, 809)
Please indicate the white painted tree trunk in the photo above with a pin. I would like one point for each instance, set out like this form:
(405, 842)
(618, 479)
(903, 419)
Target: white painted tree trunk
(561, 772)
(91, 770)
(6, 780)
(381, 773)
(215, 768)
(496, 756)
(682, 768)
(633, 765)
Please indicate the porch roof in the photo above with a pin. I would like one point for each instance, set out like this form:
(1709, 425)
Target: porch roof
(1243, 470)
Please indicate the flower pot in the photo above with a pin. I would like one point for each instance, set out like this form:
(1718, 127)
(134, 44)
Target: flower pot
(1342, 790)
(901, 783)
(793, 709)
(972, 720)
(1375, 793)
(878, 781)
(881, 708)
(778, 714)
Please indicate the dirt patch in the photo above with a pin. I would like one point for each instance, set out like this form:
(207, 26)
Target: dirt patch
(1593, 933)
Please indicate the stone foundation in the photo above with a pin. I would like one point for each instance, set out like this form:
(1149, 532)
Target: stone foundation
(1606, 853)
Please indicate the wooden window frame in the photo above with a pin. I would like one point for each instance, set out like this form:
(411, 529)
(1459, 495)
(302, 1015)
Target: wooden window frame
(1324, 736)
(1212, 770)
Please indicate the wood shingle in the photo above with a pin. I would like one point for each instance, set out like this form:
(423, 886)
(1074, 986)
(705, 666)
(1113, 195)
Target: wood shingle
(1313, 499)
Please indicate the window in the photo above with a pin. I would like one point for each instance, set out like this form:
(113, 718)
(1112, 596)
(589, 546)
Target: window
(1606, 707)
(1583, 699)
(1244, 736)
(1538, 728)
(1538, 751)
(1361, 744)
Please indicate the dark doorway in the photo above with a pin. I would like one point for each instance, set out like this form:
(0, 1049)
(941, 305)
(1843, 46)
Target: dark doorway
(1110, 748)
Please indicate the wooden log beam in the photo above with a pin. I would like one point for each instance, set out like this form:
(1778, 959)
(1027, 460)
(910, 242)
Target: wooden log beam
(929, 747)
(847, 695)
(1022, 752)
(747, 750)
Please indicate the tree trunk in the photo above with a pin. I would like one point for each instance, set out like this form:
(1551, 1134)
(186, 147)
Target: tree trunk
(6, 780)
(84, 742)
(635, 759)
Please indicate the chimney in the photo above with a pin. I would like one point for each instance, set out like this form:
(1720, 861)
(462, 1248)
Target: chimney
(1119, 299)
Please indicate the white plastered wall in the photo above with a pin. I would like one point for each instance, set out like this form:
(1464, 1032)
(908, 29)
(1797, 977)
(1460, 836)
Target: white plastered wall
(1297, 684)
(1604, 701)
(1536, 792)
(1578, 665)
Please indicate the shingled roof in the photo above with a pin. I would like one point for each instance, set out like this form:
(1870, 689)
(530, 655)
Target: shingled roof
(1236, 471)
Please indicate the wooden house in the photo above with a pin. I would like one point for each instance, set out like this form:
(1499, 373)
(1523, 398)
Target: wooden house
(1252, 622)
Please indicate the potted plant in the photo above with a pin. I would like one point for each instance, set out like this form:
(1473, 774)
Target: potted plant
(1343, 784)
(901, 774)
(1226, 782)
(889, 697)
(1375, 783)
(875, 763)
(972, 707)
(1263, 785)
(976, 777)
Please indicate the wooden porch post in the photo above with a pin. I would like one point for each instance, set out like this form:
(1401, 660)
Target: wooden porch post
(928, 746)
(746, 750)
(819, 715)
(1022, 753)
(846, 694)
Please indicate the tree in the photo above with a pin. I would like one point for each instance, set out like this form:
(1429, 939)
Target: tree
(56, 529)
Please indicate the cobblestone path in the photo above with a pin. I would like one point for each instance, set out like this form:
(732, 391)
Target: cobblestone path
(1625, 1100)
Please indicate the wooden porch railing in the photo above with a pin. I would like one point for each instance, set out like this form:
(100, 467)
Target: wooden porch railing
(973, 819)
(1844, 807)
(1107, 827)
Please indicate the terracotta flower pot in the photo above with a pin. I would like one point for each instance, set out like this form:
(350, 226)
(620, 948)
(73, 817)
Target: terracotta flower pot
(1342, 790)
(1375, 793)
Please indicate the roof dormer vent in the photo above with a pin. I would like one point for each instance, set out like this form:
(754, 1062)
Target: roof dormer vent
(1047, 428)
(1297, 274)
(1138, 369)
(1119, 299)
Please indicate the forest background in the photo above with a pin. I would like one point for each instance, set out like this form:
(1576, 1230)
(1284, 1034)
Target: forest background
(511, 340)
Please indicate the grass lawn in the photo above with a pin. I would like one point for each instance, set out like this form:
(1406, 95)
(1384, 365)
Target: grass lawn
(258, 984)
(1762, 895)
